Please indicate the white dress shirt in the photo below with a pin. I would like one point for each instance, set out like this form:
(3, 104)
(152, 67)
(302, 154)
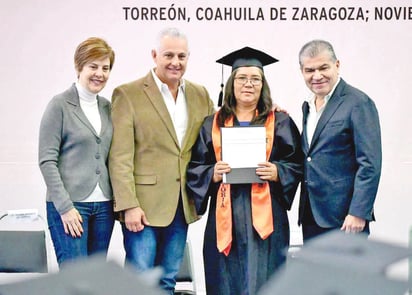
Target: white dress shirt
(314, 115)
(177, 108)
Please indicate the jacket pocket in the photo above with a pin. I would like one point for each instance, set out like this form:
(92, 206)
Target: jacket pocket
(145, 179)
(334, 124)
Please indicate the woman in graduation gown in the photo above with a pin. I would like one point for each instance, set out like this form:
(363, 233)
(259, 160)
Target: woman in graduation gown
(247, 232)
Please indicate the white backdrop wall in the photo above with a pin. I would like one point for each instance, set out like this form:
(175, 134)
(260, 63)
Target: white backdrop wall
(38, 39)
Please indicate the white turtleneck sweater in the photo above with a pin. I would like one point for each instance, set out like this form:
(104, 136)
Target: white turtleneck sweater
(88, 104)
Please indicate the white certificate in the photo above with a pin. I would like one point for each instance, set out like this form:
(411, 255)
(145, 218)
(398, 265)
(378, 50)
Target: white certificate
(243, 148)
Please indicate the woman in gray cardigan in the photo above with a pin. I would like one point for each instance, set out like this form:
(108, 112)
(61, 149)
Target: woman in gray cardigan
(75, 137)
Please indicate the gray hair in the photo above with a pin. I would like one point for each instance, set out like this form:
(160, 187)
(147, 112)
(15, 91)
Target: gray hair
(314, 48)
(171, 32)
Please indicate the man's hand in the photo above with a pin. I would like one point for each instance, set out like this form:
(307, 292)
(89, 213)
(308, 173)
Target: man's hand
(353, 224)
(135, 219)
(277, 108)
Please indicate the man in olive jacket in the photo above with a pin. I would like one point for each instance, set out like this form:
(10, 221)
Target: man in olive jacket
(156, 121)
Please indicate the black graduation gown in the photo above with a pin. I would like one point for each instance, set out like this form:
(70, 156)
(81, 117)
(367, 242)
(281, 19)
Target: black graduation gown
(252, 260)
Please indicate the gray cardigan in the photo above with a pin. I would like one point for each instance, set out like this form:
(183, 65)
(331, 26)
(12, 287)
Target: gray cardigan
(72, 157)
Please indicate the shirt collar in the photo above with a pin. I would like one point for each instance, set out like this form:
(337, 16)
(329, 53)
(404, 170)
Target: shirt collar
(163, 86)
(311, 98)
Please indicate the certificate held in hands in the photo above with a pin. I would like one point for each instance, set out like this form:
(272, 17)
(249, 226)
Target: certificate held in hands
(243, 148)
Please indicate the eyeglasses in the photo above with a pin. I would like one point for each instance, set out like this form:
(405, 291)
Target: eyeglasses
(243, 80)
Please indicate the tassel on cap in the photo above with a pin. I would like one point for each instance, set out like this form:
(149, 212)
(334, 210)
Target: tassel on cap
(220, 100)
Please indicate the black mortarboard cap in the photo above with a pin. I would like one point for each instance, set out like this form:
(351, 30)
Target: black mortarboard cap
(245, 57)
(353, 251)
(306, 277)
(91, 276)
(345, 263)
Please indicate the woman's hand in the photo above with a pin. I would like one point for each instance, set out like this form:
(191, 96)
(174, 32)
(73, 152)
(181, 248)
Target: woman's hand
(220, 168)
(268, 171)
(72, 222)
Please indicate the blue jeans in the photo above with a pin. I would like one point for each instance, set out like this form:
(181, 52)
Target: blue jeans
(98, 222)
(158, 246)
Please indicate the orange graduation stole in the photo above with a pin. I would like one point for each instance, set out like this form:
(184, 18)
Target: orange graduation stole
(260, 195)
